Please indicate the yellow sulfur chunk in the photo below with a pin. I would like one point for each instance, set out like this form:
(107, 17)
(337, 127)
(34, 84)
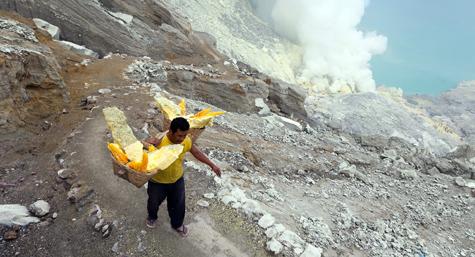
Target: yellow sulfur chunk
(214, 114)
(200, 122)
(134, 151)
(201, 113)
(118, 154)
(169, 109)
(143, 165)
(164, 157)
(182, 106)
(134, 165)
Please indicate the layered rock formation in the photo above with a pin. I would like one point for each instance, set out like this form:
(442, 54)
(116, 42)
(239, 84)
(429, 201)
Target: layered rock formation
(31, 87)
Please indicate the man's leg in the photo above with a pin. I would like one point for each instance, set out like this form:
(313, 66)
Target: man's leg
(156, 194)
(176, 203)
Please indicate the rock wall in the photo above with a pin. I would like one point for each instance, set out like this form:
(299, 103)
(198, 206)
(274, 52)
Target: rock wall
(133, 27)
(31, 88)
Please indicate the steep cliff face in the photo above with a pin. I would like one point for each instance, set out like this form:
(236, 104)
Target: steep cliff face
(31, 87)
(132, 27)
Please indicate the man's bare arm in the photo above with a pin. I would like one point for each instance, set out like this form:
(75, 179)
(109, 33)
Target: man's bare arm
(200, 156)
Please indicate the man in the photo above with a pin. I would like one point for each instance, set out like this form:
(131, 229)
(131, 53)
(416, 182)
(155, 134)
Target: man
(169, 183)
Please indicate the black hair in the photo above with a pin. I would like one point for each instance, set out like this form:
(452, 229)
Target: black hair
(179, 123)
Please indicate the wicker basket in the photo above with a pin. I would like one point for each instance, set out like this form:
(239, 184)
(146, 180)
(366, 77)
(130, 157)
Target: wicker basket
(136, 178)
(194, 132)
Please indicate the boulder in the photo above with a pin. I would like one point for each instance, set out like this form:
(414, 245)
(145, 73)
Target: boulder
(312, 251)
(15, 214)
(50, 28)
(82, 50)
(266, 221)
(459, 181)
(262, 106)
(408, 174)
(274, 246)
(290, 99)
(39, 208)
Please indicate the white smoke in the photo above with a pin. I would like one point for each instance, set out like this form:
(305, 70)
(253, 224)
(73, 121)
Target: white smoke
(336, 54)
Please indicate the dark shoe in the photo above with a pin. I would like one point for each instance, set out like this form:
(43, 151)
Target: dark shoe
(150, 223)
(182, 231)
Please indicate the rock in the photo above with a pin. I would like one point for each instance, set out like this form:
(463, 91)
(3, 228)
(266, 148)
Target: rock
(309, 180)
(291, 124)
(55, 215)
(279, 122)
(15, 214)
(274, 230)
(92, 99)
(274, 246)
(227, 199)
(288, 98)
(266, 221)
(312, 251)
(51, 29)
(391, 154)
(203, 203)
(208, 195)
(31, 87)
(432, 171)
(122, 17)
(80, 193)
(104, 91)
(234, 95)
(105, 228)
(444, 165)
(262, 106)
(348, 171)
(99, 224)
(459, 181)
(65, 173)
(408, 174)
(115, 247)
(290, 239)
(10, 234)
(39, 208)
(82, 50)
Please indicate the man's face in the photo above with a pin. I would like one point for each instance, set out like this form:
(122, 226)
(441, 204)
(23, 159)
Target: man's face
(179, 136)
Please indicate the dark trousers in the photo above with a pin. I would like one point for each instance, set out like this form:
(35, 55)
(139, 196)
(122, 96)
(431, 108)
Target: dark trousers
(175, 194)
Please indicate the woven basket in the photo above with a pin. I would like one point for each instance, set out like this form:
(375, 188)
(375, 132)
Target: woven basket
(194, 132)
(136, 178)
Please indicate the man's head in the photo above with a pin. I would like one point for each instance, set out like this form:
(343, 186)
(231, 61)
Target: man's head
(179, 128)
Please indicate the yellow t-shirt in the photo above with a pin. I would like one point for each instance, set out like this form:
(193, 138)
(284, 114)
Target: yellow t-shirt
(175, 171)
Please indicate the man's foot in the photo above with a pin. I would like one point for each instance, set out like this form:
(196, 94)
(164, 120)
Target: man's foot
(182, 231)
(150, 223)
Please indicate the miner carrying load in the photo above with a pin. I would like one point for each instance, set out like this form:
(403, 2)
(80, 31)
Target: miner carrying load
(169, 183)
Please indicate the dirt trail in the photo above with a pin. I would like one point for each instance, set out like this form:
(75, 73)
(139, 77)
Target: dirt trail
(120, 199)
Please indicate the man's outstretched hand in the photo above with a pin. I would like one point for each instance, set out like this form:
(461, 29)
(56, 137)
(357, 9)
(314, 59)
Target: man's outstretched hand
(216, 170)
